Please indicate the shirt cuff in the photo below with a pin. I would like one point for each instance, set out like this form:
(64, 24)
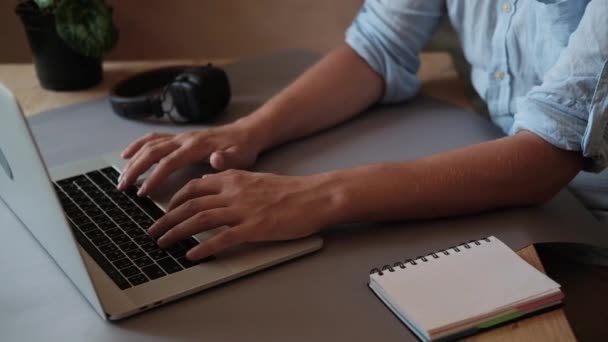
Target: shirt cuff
(559, 125)
(399, 83)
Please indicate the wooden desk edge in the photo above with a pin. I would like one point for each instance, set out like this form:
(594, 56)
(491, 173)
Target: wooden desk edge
(549, 326)
(437, 72)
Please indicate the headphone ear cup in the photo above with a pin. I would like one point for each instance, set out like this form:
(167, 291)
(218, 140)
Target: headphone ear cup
(184, 100)
(201, 94)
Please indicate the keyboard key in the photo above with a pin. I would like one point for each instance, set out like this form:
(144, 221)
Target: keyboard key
(129, 225)
(70, 189)
(143, 239)
(145, 223)
(139, 217)
(118, 216)
(188, 243)
(114, 232)
(176, 251)
(143, 262)
(120, 239)
(149, 207)
(123, 263)
(106, 205)
(93, 234)
(153, 271)
(87, 227)
(62, 183)
(138, 279)
(127, 246)
(93, 211)
(133, 211)
(130, 271)
(111, 174)
(169, 266)
(73, 211)
(95, 176)
(149, 247)
(124, 202)
(108, 248)
(135, 254)
(100, 241)
(134, 233)
(87, 206)
(110, 270)
(80, 220)
(116, 196)
(104, 223)
(158, 254)
(113, 256)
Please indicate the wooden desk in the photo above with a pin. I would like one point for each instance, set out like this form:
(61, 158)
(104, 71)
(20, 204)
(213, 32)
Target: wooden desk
(440, 80)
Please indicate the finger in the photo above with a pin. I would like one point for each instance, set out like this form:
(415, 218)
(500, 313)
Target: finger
(144, 160)
(204, 186)
(184, 212)
(230, 158)
(147, 148)
(217, 243)
(130, 150)
(202, 221)
(165, 167)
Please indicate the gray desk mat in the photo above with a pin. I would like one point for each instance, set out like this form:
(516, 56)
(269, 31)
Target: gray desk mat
(322, 296)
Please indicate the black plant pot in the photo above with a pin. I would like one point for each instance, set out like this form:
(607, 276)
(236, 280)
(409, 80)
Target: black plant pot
(58, 66)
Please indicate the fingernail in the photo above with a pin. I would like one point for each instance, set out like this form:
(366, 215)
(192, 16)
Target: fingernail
(142, 191)
(190, 255)
(150, 232)
(121, 185)
(161, 241)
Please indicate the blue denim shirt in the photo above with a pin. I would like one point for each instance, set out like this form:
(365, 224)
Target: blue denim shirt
(541, 65)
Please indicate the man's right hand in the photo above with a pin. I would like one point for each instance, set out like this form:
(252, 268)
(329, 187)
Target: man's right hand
(225, 147)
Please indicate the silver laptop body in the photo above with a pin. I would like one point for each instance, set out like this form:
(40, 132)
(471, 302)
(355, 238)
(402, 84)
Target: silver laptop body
(27, 188)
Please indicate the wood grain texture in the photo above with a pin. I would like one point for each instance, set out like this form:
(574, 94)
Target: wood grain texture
(440, 80)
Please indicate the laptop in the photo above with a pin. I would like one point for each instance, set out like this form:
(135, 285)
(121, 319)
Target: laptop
(97, 235)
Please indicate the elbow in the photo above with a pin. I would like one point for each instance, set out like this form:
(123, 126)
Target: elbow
(547, 186)
(548, 171)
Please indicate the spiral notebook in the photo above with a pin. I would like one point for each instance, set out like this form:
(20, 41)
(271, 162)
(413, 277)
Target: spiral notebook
(459, 291)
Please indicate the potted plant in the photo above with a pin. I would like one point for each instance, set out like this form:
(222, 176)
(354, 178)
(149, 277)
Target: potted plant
(68, 39)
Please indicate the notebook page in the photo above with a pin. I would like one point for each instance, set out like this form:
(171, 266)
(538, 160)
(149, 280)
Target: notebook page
(462, 285)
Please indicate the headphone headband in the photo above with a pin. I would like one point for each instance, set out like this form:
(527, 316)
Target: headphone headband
(139, 96)
(203, 94)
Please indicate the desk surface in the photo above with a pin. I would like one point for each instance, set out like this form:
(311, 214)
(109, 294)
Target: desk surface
(439, 80)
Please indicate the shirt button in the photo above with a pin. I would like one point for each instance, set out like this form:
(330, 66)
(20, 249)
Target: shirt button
(499, 75)
(507, 7)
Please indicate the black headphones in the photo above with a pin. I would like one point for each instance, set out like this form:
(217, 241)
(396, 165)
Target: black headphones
(184, 94)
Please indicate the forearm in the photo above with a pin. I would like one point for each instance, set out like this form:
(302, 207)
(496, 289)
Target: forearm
(332, 91)
(513, 171)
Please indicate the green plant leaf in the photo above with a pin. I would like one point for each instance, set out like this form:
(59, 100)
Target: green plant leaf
(44, 3)
(86, 26)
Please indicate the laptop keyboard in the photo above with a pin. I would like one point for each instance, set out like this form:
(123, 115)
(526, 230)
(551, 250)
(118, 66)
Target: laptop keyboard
(111, 226)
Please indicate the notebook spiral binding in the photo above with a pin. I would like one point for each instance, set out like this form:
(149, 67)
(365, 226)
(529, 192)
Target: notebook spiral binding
(436, 255)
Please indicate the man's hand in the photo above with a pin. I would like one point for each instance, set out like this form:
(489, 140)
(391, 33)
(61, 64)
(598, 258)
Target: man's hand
(225, 147)
(256, 207)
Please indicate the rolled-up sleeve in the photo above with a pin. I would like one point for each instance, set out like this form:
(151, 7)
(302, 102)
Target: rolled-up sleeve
(570, 108)
(388, 35)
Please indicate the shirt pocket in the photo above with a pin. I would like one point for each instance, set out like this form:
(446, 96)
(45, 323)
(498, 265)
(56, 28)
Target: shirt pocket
(554, 21)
